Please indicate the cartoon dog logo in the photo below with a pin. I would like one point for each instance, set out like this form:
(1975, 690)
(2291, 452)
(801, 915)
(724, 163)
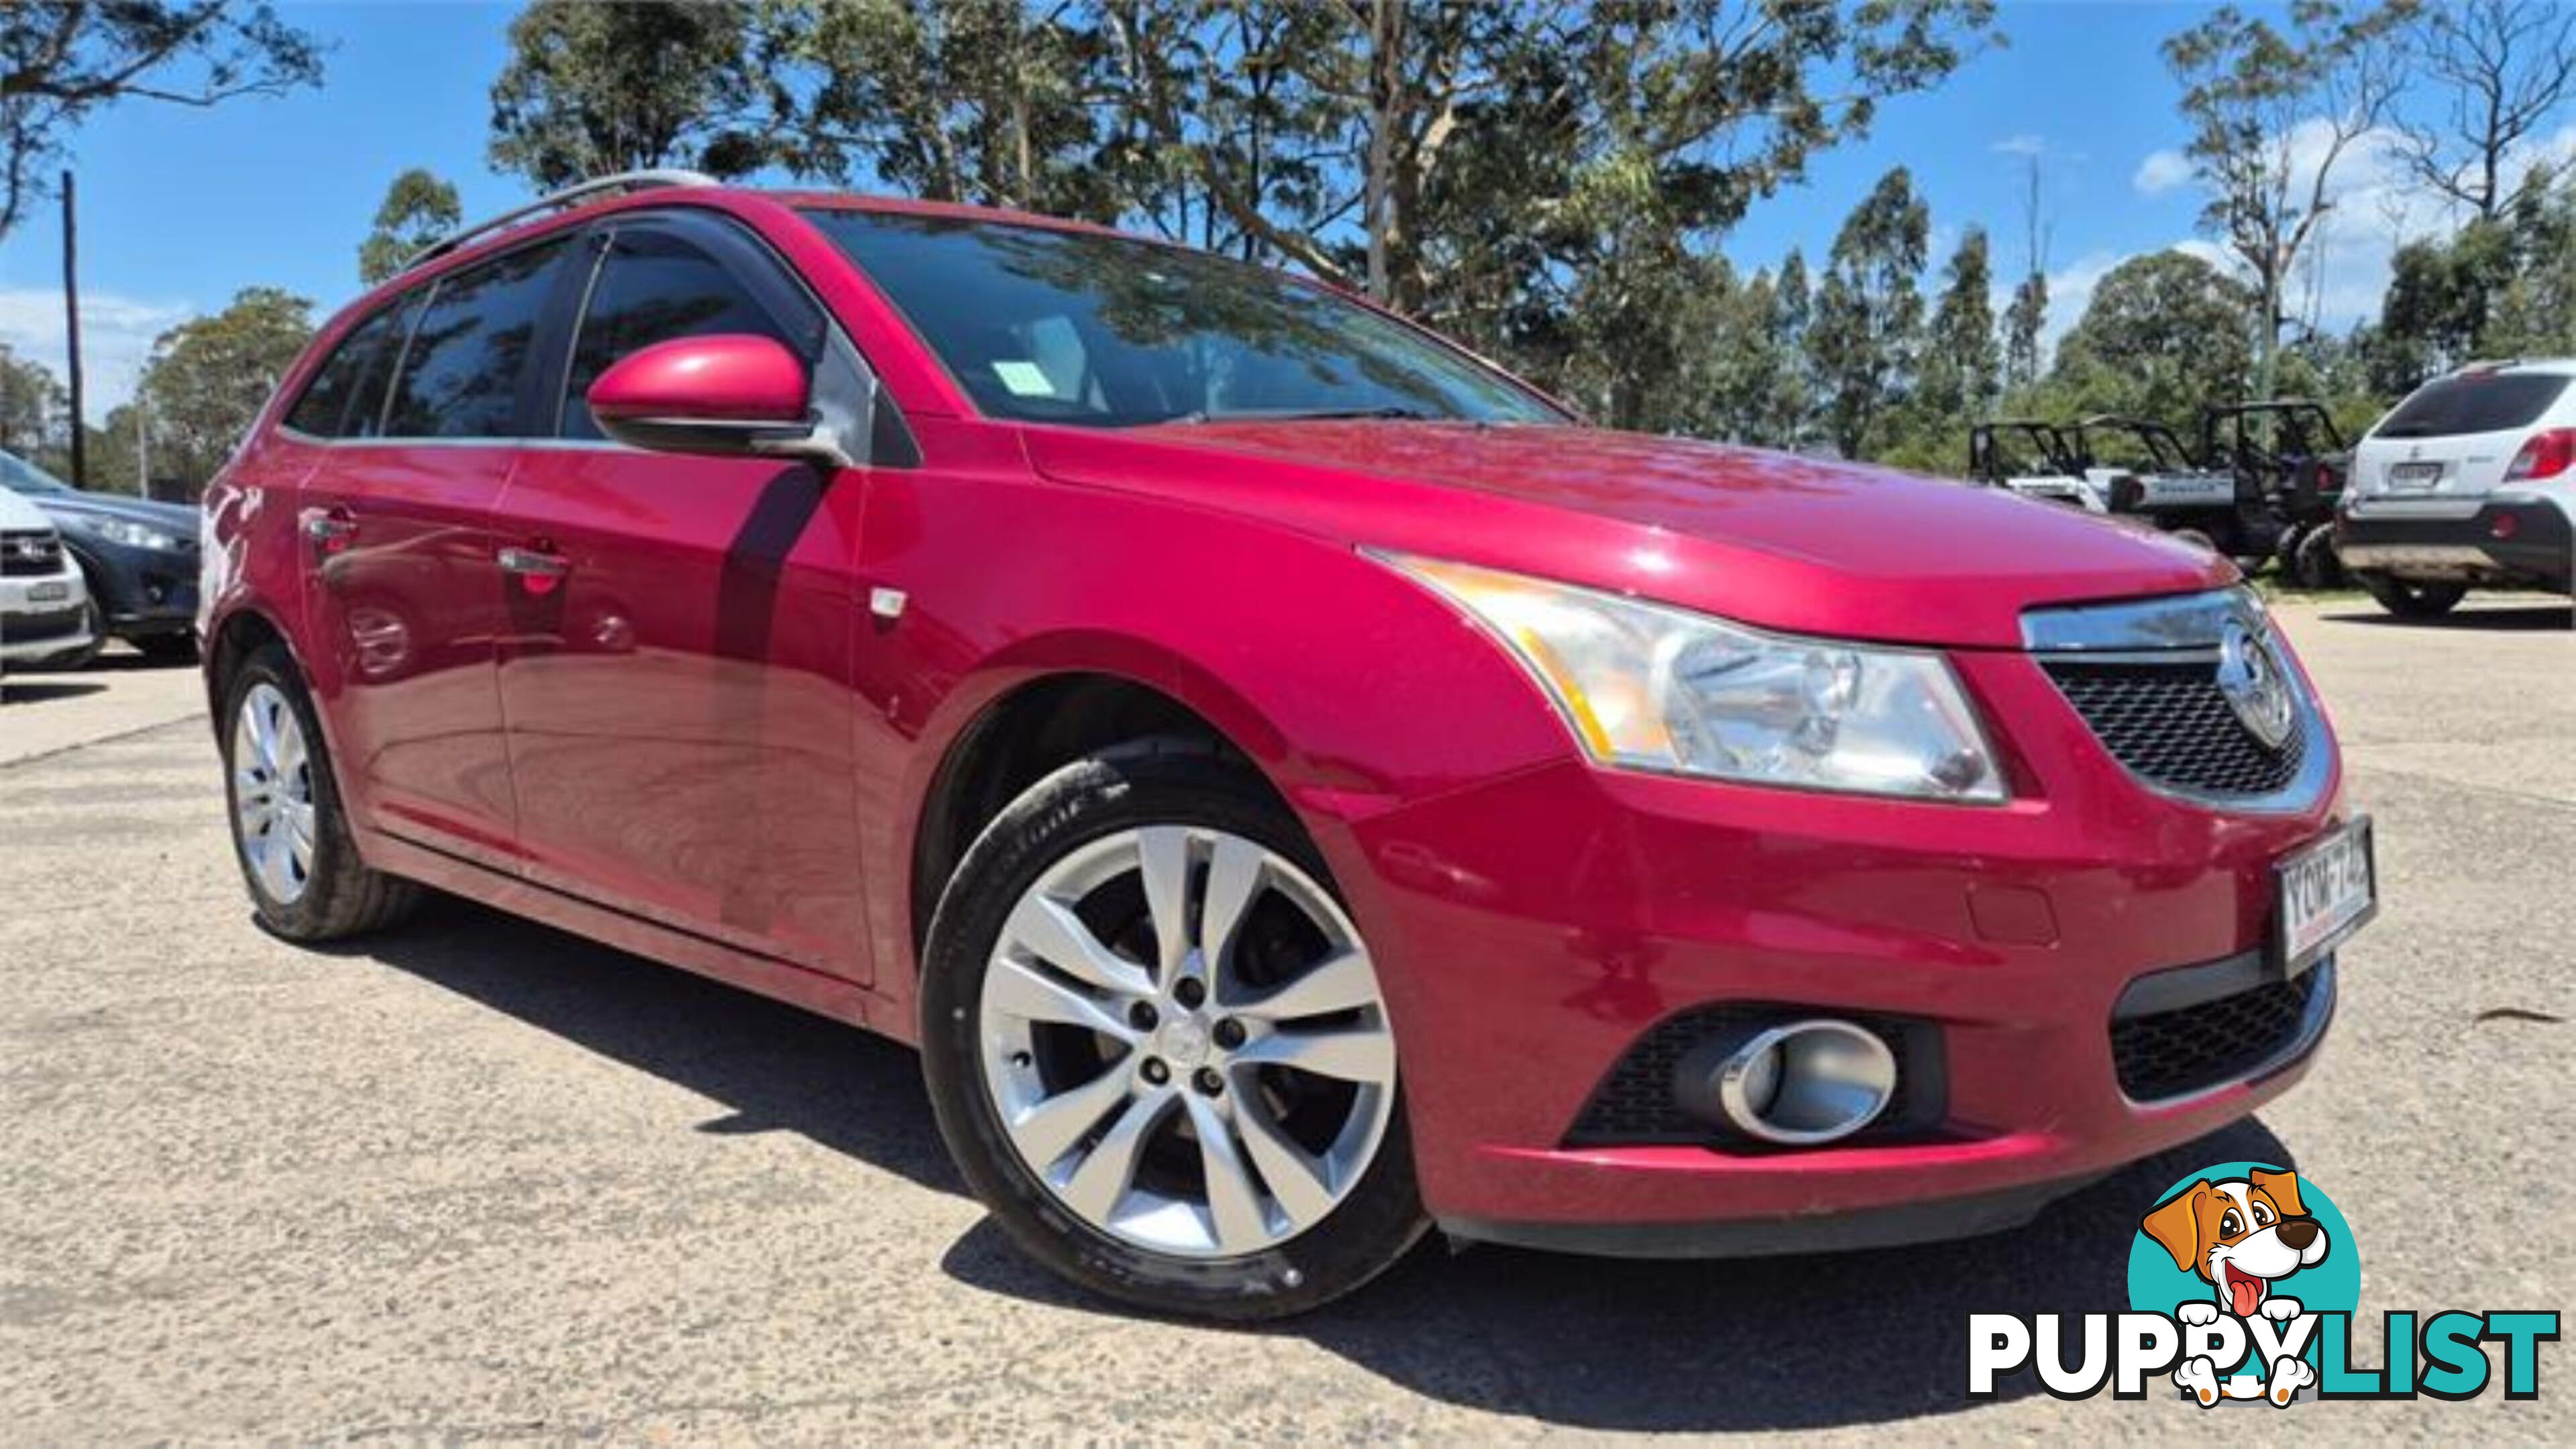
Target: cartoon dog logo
(2242, 1236)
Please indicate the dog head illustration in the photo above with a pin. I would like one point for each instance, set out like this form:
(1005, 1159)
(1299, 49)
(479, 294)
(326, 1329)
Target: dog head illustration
(2242, 1235)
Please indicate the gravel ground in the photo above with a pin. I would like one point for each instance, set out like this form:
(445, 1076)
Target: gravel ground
(479, 1180)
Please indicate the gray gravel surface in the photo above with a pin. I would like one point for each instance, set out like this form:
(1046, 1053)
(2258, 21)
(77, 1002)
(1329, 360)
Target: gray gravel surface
(479, 1180)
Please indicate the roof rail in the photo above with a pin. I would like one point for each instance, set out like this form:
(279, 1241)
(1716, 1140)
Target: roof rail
(623, 181)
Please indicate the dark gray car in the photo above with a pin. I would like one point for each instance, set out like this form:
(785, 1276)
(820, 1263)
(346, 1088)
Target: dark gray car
(139, 557)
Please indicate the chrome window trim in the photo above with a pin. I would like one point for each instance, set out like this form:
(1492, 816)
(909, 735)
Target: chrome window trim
(2154, 627)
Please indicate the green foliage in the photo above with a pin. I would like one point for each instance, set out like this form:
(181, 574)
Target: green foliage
(61, 60)
(2024, 322)
(418, 209)
(2163, 335)
(2500, 287)
(32, 406)
(208, 378)
(592, 89)
(1867, 331)
(2272, 112)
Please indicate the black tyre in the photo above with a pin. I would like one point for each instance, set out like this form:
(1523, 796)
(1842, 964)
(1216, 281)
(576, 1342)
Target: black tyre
(2314, 562)
(289, 833)
(1157, 1048)
(2413, 600)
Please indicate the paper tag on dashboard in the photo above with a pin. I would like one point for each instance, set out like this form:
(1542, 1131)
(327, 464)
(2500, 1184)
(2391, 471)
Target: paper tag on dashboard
(1024, 379)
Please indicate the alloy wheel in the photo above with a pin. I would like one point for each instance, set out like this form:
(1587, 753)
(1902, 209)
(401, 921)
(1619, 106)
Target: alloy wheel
(1184, 1039)
(273, 814)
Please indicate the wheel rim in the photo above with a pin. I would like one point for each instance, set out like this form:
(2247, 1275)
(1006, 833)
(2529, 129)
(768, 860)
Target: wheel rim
(273, 794)
(1183, 1037)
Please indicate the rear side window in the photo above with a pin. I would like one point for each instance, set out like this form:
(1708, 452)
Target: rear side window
(460, 375)
(2490, 402)
(653, 286)
(328, 408)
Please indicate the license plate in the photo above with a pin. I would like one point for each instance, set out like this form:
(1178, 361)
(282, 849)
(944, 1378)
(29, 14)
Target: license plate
(2324, 891)
(2414, 475)
(48, 593)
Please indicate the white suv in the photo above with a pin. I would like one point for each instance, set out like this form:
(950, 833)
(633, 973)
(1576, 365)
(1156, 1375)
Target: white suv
(44, 606)
(2470, 481)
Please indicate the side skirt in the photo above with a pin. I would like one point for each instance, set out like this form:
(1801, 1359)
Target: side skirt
(799, 986)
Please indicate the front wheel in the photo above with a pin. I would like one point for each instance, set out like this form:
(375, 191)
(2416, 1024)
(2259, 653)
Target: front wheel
(2409, 599)
(1157, 1046)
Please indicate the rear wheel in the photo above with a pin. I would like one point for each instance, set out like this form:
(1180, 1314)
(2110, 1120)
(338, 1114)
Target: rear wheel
(289, 832)
(2409, 599)
(1157, 1045)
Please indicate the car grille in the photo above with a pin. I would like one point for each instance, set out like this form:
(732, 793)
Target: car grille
(2209, 1043)
(30, 554)
(1635, 1105)
(2169, 723)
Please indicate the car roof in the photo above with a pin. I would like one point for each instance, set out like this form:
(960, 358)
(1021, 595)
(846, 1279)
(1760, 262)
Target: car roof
(2545, 366)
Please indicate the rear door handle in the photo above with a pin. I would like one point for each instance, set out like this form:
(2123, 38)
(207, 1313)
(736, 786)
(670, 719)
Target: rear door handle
(534, 563)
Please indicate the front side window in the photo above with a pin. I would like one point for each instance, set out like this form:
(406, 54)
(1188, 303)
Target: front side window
(460, 375)
(652, 287)
(1042, 325)
(330, 406)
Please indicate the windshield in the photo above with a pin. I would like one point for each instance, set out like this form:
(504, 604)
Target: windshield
(1049, 326)
(20, 476)
(2476, 402)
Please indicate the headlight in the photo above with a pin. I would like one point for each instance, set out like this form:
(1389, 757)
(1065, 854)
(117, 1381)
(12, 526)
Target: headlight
(132, 535)
(1655, 688)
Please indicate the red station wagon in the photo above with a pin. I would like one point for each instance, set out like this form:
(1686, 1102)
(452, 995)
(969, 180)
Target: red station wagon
(1296, 784)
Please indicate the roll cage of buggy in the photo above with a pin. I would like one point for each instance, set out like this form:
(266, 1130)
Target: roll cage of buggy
(2034, 458)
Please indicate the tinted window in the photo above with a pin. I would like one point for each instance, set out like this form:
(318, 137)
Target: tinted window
(325, 409)
(652, 287)
(2487, 402)
(460, 376)
(1077, 327)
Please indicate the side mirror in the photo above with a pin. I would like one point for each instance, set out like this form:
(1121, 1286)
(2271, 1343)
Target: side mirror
(727, 396)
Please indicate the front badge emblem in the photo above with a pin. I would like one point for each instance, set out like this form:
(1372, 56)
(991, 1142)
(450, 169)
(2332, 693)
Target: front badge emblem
(2250, 675)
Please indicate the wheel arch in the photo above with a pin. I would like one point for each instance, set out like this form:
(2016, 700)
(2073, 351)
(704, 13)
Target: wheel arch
(1040, 720)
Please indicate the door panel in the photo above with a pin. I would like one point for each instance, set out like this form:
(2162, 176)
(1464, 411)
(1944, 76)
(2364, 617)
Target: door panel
(401, 589)
(676, 672)
(677, 694)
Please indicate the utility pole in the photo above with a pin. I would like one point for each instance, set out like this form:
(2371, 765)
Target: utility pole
(71, 334)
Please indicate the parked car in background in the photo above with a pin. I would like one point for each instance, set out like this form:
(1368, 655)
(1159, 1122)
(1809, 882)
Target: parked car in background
(138, 559)
(2468, 483)
(44, 607)
(1296, 784)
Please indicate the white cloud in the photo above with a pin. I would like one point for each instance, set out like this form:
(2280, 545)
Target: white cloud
(116, 337)
(2022, 145)
(2375, 205)
(2161, 172)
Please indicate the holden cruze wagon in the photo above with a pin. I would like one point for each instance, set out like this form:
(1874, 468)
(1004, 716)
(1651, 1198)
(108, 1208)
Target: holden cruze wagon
(1297, 785)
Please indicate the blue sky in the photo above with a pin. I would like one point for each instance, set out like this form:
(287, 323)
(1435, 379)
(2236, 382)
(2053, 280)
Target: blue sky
(181, 208)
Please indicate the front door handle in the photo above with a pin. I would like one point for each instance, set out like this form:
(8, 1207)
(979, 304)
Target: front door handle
(542, 570)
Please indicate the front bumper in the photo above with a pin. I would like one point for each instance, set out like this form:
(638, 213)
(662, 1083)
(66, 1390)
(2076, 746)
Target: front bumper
(2511, 540)
(142, 592)
(1547, 922)
(42, 617)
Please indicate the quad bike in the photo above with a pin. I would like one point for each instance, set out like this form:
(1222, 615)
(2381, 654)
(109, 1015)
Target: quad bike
(2148, 473)
(2034, 459)
(2291, 461)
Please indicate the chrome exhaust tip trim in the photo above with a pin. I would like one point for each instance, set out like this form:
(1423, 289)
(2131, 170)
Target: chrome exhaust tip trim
(1806, 1083)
